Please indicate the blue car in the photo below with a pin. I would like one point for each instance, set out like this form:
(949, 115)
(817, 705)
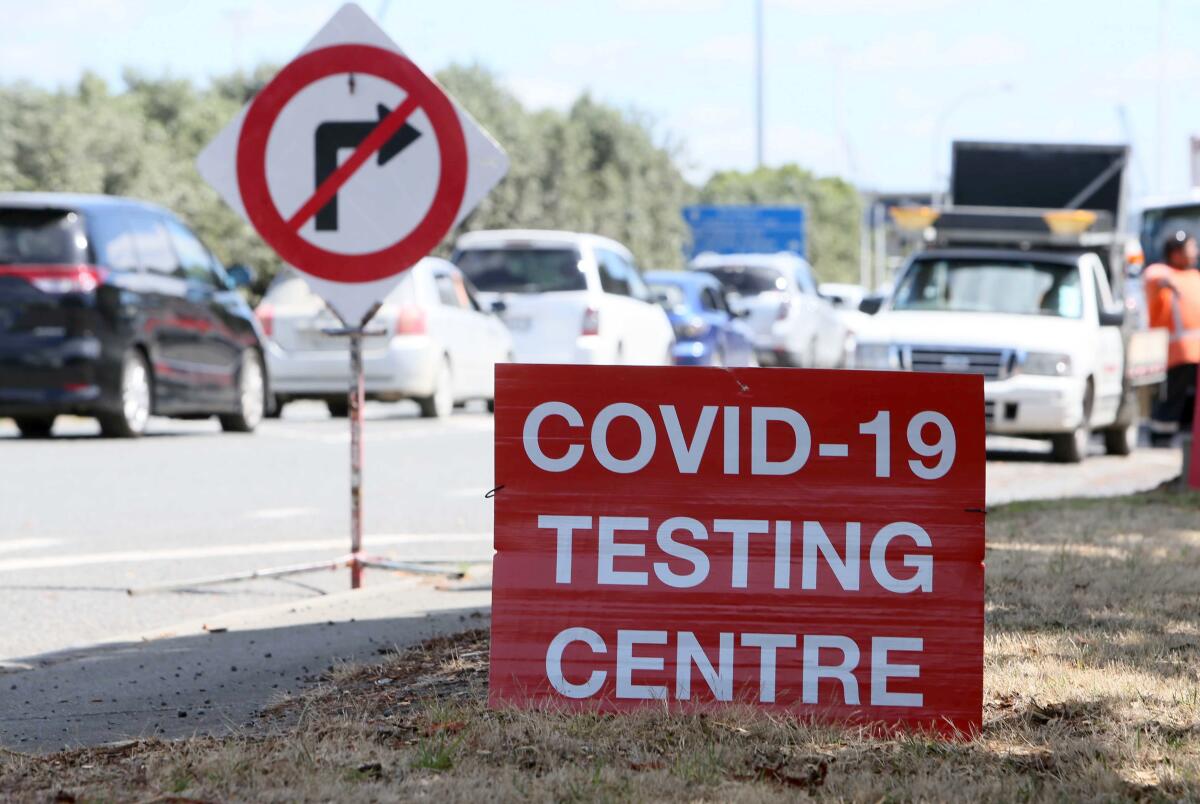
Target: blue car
(708, 332)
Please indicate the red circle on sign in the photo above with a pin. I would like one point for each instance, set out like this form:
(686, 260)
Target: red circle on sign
(252, 164)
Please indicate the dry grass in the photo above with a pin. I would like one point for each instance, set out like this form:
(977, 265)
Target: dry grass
(1092, 693)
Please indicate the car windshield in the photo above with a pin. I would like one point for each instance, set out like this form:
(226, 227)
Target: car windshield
(39, 236)
(1019, 287)
(670, 294)
(522, 270)
(748, 280)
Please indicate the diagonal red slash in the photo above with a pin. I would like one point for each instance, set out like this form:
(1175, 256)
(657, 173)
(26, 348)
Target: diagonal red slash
(374, 141)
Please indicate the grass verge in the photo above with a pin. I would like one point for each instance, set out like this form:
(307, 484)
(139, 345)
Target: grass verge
(1092, 692)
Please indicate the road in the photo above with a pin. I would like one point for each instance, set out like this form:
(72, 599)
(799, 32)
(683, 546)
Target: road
(83, 518)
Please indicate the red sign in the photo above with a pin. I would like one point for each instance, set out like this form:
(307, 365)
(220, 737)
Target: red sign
(809, 541)
(283, 235)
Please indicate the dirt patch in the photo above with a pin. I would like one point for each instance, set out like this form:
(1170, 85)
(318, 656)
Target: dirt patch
(1092, 677)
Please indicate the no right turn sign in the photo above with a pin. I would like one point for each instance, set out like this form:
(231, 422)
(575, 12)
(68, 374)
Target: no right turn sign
(352, 163)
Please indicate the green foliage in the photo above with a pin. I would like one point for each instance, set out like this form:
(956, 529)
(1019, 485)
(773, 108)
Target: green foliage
(592, 168)
(833, 205)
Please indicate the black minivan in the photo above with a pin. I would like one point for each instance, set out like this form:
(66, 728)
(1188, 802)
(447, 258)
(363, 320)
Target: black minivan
(112, 308)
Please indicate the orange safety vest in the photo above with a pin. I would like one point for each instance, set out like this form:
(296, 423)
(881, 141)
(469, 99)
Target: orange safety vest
(1173, 303)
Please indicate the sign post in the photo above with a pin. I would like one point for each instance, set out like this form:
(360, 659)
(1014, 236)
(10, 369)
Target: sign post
(352, 164)
(803, 540)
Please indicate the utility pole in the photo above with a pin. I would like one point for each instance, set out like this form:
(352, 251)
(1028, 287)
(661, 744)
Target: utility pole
(758, 83)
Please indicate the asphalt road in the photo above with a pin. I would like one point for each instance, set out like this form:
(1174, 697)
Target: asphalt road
(83, 518)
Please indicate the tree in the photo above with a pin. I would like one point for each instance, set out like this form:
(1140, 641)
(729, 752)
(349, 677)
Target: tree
(593, 168)
(833, 205)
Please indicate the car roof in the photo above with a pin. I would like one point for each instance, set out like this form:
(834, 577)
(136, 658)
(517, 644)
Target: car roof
(538, 238)
(688, 278)
(83, 202)
(782, 260)
(1013, 254)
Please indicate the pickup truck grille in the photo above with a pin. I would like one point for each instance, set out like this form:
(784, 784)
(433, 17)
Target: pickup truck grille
(993, 364)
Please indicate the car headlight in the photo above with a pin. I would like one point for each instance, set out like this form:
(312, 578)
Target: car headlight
(876, 356)
(1048, 364)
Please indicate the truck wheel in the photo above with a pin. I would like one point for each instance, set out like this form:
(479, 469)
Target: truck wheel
(1072, 447)
(35, 426)
(136, 400)
(251, 394)
(1121, 439)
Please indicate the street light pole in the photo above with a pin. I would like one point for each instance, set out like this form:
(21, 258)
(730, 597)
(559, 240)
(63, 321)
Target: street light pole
(758, 82)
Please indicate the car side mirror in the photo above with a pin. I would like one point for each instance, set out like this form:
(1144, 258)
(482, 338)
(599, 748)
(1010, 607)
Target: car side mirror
(1112, 318)
(241, 275)
(871, 305)
(498, 306)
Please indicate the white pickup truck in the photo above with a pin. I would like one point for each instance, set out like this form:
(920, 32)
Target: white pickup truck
(1041, 327)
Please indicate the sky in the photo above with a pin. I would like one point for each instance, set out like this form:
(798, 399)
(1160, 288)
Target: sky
(871, 90)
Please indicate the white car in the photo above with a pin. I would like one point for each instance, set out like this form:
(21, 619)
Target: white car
(567, 297)
(792, 324)
(1042, 329)
(841, 295)
(435, 343)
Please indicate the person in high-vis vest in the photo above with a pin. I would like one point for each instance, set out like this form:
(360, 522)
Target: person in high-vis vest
(1173, 303)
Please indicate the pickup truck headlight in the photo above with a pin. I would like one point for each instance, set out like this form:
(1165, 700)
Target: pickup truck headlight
(876, 356)
(1047, 364)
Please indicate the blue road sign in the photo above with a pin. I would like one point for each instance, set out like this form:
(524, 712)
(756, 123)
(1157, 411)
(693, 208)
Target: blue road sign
(746, 229)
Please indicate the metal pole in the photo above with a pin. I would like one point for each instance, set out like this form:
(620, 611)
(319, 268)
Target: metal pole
(356, 456)
(758, 82)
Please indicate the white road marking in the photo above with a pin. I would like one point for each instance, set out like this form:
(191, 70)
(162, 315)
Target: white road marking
(16, 545)
(224, 551)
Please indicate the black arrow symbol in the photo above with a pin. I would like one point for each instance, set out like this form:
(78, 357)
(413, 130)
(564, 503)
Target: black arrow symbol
(333, 136)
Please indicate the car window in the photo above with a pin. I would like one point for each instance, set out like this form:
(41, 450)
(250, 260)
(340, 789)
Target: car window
(748, 280)
(152, 243)
(614, 273)
(448, 291)
(805, 280)
(194, 259)
(711, 301)
(112, 240)
(672, 295)
(637, 285)
(522, 270)
(1017, 287)
(40, 236)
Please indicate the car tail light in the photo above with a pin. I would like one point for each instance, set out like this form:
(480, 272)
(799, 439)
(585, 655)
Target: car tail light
(785, 307)
(410, 320)
(59, 279)
(591, 322)
(265, 313)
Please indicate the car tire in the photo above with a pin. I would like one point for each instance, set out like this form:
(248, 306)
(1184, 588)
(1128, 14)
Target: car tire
(439, 404)
(275, 410)
(251, 396)
(35, 426)
(338, 408)
(1072, 447)
(137, 399)
(1122, 437)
